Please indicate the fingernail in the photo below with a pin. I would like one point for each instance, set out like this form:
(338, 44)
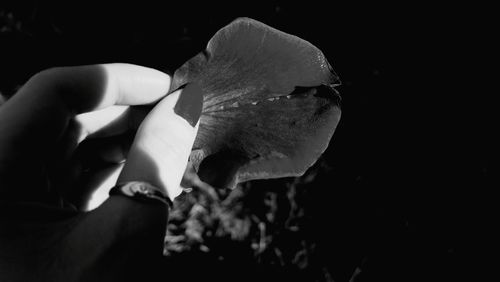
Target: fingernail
(190, 103)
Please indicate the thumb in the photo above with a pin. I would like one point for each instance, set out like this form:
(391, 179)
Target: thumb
(163, 143)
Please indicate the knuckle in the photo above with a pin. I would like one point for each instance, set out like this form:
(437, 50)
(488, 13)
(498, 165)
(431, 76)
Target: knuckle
(46, 77)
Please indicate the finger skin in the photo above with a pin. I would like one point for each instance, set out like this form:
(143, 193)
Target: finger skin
(114, 121)
(35, 119)
(54, 96)
(107, 118)
(161, 148)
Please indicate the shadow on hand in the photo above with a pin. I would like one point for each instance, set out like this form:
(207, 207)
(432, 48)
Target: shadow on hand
(94, 163)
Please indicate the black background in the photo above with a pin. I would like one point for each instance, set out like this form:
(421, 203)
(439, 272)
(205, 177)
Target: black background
(411, 160)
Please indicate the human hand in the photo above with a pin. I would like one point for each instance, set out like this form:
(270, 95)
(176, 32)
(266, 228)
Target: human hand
(46, 122)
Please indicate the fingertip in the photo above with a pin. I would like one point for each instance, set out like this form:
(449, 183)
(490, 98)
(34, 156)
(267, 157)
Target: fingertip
(174, 193)
(171, 100)
(137, 85)
(197, 126)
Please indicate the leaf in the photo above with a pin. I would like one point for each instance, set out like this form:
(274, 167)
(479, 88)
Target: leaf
(269, 105)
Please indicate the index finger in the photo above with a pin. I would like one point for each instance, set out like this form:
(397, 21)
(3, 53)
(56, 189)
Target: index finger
(89, 88)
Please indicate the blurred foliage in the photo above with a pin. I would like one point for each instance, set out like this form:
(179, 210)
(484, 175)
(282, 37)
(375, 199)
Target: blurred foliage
(8, 23)
(263, 220)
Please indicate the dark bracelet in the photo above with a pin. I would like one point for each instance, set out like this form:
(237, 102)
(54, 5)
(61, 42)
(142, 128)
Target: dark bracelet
(142, 191)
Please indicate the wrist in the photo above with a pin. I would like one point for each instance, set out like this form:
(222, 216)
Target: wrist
(142, 191)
